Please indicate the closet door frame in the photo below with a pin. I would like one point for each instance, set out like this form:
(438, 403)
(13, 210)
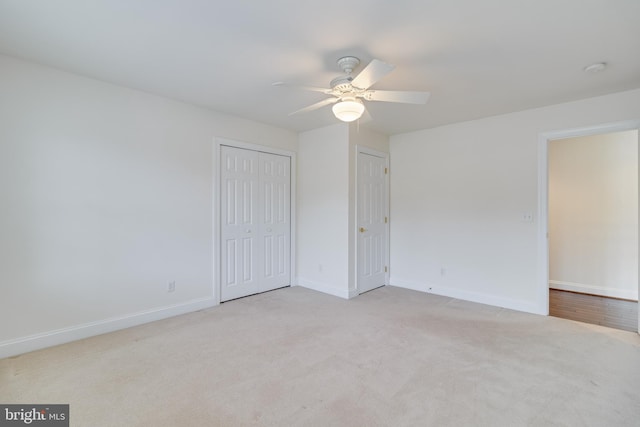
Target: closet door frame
(218, 143)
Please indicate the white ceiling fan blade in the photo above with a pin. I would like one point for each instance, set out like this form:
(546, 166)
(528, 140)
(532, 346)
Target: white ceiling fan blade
(372, 73)
(316, 105)
(311, 88)
(397, 96)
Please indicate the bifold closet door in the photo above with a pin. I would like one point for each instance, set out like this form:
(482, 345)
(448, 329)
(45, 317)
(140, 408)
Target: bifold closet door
(275, 221)
(239, 222)
(255, 222)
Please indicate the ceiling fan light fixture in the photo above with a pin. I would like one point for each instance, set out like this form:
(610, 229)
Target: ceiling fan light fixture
(348, 110)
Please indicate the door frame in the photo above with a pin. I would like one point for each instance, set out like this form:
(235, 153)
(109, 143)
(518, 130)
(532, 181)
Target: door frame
(544, 139)
(218, 142)
(366, 150)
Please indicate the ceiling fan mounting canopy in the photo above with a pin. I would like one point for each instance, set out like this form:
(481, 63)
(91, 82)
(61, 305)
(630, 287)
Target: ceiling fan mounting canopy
(347, 91)
(348, 63)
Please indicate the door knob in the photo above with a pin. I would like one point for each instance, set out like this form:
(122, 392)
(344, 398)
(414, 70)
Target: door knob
(362, 229)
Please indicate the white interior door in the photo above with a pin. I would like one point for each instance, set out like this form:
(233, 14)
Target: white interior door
(239, 219)
(255, 222)
(372, 229)
(275, 220)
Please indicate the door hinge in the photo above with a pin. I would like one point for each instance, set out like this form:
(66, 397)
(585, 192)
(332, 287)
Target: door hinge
(385, 171)
(385, 268)
(386, 219)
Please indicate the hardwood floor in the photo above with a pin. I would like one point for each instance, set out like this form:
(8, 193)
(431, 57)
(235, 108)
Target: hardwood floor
(611, 312)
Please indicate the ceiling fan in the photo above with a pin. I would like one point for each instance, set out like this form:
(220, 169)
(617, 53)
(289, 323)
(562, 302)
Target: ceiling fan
(347, 91)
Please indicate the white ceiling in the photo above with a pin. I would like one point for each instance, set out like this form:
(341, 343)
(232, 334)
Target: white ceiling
(477, 58)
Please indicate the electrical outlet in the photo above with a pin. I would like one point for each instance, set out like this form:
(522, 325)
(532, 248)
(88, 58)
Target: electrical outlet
(171, 287)
(527, 217)
(443, 271)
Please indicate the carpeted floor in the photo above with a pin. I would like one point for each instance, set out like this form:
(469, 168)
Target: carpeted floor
(295, 357)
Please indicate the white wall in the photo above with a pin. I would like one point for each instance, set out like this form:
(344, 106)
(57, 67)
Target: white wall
(323, 210)
(459, 193)
(593, 214)
(106, 195)
(326, 206)
(367, 138)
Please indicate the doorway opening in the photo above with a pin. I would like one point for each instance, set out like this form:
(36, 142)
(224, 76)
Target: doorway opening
(589, 218)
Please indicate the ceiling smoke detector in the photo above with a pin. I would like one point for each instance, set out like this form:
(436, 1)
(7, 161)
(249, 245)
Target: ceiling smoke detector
(595, 68)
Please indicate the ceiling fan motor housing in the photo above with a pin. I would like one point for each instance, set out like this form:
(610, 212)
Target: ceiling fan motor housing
(342, 83)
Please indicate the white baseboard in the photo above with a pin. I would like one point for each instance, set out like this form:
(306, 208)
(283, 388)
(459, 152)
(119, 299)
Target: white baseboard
(327, 289)
(414, 286)
(61, 336)
(594, 290)
(512, 304)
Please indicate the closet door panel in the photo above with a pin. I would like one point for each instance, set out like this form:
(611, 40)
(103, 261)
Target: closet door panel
(239, 201)
(275, 221)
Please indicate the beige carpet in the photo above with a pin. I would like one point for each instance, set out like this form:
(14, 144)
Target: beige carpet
(295, 357)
